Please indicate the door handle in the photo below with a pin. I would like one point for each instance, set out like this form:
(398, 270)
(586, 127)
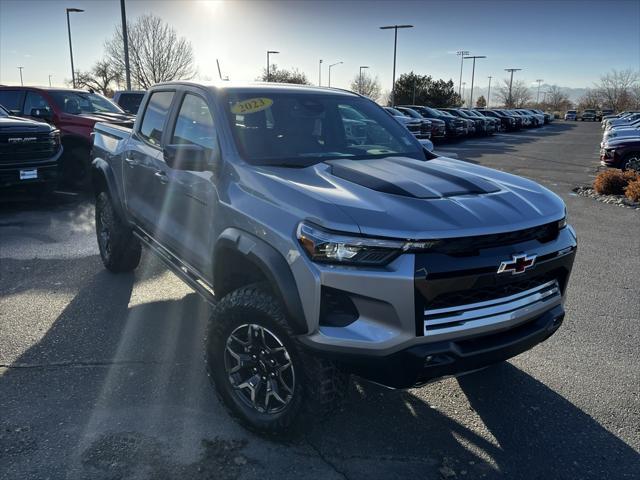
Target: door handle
(130, 161)
(162, 177)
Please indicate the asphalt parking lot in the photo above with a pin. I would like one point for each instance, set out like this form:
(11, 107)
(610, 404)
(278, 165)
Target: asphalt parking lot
(101, 376)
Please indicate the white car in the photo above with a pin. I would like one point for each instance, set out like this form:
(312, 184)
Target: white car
(571, 115)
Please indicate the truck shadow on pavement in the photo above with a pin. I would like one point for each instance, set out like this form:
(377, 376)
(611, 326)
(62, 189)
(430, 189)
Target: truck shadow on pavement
(116, 388)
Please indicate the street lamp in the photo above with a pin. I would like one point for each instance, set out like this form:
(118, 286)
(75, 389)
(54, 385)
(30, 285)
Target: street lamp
(395, 45)
(473, 72)
(511, 83)
(462, 54)
(464, 84)
(360, 84)
(49, 80)
(539, 81)
(489, 92)
(333, 65)
(73, 72)
(20, 68)
(320, 73)
(269, 52)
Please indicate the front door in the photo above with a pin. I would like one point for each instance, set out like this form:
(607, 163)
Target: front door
(190, 198)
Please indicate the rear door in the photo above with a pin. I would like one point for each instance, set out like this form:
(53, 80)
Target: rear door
(144, 171)
(190, 198)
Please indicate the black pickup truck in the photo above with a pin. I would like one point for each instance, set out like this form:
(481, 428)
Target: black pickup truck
(29, 154)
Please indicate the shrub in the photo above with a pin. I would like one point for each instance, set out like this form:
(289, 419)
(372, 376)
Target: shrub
(613, 182)
(633, 190)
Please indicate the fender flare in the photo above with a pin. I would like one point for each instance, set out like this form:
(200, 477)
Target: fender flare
(274, 267)
(103, 179)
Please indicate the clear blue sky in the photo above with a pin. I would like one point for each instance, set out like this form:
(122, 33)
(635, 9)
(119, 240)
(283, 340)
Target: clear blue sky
(569, 43)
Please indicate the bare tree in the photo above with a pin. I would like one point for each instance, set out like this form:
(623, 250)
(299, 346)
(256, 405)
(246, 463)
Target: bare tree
(556, 99)
(156, 54)
(591, 99)
(481, 102)
(616, 88)
(366, 85)
(282, 75)
(100, 78)
(520, 94)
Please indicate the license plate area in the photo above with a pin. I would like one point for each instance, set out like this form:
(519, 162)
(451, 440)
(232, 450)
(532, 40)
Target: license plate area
(29, 174)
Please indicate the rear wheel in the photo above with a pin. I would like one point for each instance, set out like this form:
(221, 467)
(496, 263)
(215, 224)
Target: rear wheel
(119, 249)
(261, 373)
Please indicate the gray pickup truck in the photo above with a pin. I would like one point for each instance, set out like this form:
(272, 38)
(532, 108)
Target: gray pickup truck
(327, 246)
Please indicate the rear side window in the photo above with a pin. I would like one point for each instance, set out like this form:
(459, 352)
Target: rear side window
(194, 125)
(12, 100)
(35, 101)
(154, 117)
(130, 102)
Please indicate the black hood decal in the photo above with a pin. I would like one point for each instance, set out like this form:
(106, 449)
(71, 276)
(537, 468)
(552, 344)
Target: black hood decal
(410, 178)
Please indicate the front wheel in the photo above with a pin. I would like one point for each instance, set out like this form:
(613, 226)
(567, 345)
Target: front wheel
(261, 373)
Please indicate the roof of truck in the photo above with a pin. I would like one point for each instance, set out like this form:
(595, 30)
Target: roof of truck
(268, 86)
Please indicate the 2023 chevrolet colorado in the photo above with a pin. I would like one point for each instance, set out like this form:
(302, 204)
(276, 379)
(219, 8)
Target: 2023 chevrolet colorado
(333, 246)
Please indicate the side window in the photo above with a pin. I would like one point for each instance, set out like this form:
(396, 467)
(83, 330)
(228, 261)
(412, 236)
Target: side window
(12, 100)
(130, 102)
(154, 116)
(35, 100)
(194, 124)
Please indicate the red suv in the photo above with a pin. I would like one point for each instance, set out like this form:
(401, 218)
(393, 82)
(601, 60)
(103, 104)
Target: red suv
(73, 113)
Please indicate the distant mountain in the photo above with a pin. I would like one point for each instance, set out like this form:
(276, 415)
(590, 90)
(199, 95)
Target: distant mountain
(573, 93)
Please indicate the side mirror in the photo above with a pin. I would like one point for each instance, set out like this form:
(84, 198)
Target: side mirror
(189, 157)
(43, 113)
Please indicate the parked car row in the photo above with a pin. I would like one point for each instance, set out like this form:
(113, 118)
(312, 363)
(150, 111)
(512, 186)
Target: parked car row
(71, 114)
(620, 140)
(451, 123)
(588, 115)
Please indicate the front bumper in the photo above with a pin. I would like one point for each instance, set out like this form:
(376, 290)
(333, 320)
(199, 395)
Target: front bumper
(47, 172)
(424, 363)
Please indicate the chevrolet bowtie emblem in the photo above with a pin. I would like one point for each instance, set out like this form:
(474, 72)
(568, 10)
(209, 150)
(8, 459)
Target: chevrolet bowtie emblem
(518, 264)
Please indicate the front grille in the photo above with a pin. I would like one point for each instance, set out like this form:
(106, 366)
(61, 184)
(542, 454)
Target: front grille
(425, 128)
(463, 297)
(414, 127)
(501, 307)
(42, 147)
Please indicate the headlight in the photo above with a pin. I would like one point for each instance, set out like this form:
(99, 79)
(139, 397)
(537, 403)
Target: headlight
(54, 137)
(332, 247)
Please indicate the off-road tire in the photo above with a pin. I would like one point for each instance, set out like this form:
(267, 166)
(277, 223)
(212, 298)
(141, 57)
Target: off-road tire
(120, 250)
(320, 385)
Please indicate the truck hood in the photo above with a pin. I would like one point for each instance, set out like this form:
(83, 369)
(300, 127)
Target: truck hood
(400, 197)
(20, 125)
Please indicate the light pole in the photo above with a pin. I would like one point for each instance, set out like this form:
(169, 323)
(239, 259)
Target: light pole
(332, 65)
(20, 68)
(395, 46)
(511, 83)
(360, 85)
(125, 41)
(320, 73)
(539, 81)
(269, 52)
(464, 84)
(489, 92)
(462, 54)
(473, 72)
(49, 80)
(73, 72)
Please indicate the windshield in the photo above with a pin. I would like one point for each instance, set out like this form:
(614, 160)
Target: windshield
(76, 103)
(395, 112)
(302, 129)
(410, 112)
(445, 113)
(589, 111)
(571, 111)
